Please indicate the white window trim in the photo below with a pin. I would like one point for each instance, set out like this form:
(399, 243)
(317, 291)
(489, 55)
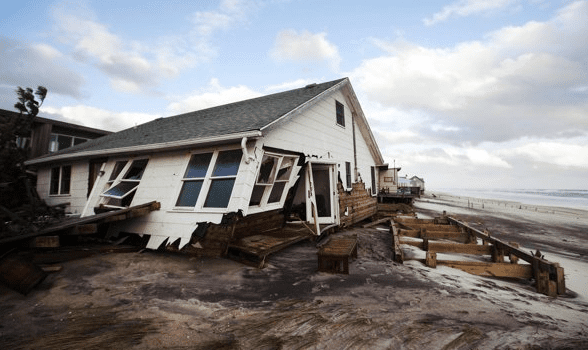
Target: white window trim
(120, 178)
(59, 194)
(206, 182)
(264, 205)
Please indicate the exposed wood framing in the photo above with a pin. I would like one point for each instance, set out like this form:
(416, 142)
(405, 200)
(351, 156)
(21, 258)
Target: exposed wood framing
(358, 204)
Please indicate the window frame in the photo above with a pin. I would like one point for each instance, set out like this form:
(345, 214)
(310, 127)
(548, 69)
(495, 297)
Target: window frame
(120, 178)
(348, 181)
(264, 202)
(207, 181)
(60, 181)
(54, 141)
(340, 113)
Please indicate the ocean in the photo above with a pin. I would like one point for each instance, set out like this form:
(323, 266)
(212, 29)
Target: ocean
(577, 199)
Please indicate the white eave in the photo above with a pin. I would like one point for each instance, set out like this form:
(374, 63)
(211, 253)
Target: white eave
(156, 147)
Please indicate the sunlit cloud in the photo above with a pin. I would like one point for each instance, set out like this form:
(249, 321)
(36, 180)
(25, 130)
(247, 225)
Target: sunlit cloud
(305, 47)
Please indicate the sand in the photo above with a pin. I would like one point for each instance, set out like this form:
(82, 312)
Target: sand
(156, 300)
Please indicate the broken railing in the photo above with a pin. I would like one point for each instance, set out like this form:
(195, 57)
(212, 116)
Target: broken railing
(549, 276)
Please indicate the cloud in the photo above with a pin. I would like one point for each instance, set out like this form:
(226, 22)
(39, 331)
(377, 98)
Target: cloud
(31, 65)
(560, 153)
(298, 83)
(519, 81)
(98, 118)
(211, 96)
(464, 8)
(305, 47)
(134, 66)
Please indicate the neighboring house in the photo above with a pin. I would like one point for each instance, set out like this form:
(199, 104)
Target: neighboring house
(416, 181)
(48, 135)
(389, 180)
(302, 151)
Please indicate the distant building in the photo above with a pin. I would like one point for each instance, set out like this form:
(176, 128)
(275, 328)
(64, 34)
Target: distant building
(416, 181)
(48, 135)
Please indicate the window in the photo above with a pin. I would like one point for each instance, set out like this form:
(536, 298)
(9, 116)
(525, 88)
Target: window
(59, 142)
(348, 174)
(340, 110)
(274, 174)
(60, 180)
(120, 193)
(213, 174)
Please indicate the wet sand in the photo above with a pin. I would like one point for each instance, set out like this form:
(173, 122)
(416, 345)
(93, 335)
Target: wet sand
(166, 301)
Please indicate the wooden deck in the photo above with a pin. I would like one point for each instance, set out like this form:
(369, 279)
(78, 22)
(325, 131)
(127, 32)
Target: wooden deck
(548, 275)
(254, 250)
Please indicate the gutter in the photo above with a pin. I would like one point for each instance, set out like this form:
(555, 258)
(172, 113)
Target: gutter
(164, 146)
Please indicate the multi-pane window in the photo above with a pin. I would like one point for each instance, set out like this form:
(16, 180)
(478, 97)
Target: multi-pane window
(121, 192)
(60, 180)
(340, 111)
(348, 174)
(271, 185)
(59, 142)
(209, 179)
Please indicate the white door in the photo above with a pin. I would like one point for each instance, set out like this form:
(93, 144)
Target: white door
(320, 187)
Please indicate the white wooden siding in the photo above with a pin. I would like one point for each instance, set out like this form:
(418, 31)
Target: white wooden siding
(316, 132)
(77, 192)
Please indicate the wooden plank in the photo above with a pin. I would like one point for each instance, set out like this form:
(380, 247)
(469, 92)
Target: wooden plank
(488, 269)
(440, 247)
(472, 249)
(46, 242)
(377, 222)
(87, 229)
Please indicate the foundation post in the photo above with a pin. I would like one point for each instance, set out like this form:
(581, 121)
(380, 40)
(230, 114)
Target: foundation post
(561, 282)
(497, 254)
(431, 260)
(513, 259)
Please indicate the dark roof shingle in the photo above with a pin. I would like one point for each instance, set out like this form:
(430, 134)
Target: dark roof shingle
(242, 116)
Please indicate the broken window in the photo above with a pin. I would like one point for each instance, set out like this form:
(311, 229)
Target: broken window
(340, 111)
(216, 181)
(120, 193)
(60, 180)
(274, 174)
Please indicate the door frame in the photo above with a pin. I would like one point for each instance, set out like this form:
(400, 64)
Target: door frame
(311, 209)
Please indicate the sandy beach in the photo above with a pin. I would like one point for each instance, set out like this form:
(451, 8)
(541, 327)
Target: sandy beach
(157, 300)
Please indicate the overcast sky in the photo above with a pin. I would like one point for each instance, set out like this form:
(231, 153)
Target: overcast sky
(466, 93)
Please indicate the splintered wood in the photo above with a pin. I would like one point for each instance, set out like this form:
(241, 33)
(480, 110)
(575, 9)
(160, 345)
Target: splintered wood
(549, 276)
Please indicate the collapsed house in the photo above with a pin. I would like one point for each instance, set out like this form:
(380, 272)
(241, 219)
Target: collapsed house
(306, 155)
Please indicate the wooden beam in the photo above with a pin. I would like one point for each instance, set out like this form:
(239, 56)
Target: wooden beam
(488, 269)
(377, 222)
(398, 254)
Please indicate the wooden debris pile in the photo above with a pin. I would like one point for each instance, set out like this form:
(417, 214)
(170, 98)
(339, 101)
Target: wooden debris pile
(26, 258)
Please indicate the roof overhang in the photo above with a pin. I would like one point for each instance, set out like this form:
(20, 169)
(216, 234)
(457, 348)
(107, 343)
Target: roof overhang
(156, 147)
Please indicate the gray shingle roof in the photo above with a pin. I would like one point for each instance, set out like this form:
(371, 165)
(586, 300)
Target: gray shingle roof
(242, 116)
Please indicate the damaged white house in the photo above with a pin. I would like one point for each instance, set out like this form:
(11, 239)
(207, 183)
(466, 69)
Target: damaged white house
(297, 151)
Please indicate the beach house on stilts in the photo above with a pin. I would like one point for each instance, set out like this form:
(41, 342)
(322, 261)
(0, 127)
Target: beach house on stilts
(304, 156)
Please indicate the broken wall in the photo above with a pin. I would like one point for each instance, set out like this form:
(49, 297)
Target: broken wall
(358, 204)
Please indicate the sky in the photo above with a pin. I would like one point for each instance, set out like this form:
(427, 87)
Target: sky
(463, 93)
